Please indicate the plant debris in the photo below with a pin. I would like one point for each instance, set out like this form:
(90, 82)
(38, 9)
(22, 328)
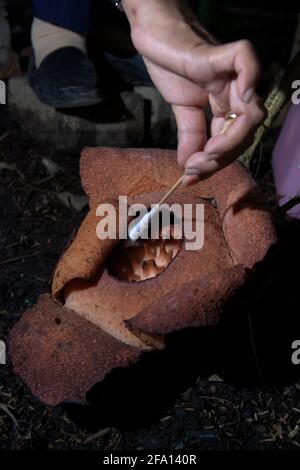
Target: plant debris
(227, 414)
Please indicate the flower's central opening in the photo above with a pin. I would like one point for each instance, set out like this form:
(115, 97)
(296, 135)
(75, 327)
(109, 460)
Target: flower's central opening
(143, 259)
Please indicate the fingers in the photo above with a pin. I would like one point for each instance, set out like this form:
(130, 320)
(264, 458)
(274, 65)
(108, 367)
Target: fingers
(242, 129)
(199, 167)
(240, 58)
(248, 70)
(191, 127)
(220, 103)
(234, 141)
(222, 149)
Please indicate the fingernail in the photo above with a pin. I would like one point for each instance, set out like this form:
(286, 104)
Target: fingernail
(211, 156)
(248, 95)
(189, 180)
(191, 171)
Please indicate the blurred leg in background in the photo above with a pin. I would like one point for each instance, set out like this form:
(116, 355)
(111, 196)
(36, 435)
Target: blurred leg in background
(62, 75)
(58, 24)
(8, 59)
(4, 34)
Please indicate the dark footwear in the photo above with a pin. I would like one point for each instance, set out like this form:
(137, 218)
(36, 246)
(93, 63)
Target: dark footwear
(66, 78)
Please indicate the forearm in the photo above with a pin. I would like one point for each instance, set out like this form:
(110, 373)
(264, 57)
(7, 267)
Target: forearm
(173, 12)
(153, 14)
(162, 30)
(191, 71)
(175, 8)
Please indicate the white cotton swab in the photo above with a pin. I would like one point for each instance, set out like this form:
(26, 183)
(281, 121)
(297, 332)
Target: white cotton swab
(140, 227)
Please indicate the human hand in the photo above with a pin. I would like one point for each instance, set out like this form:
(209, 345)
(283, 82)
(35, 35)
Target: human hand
(191, 71)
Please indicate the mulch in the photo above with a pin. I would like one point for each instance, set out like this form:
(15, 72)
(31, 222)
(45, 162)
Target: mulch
(234, 388)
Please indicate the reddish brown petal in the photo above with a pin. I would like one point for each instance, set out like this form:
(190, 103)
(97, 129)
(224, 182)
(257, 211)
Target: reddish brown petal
(196, 303)
(60, 355)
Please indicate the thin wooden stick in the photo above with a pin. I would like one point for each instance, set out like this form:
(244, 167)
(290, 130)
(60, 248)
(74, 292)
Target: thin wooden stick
(229, 119)
(138, 228)
(171, 190)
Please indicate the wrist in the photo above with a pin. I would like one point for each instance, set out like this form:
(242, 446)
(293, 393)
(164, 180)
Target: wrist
(163, 16)
(137, 10)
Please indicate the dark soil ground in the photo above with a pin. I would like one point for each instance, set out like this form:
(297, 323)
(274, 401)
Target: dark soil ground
(230, 387)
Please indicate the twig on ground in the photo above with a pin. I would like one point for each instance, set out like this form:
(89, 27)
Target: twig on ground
(3, 136)
(97, 435)
(255, 352)
(9, 413)
(20, 258)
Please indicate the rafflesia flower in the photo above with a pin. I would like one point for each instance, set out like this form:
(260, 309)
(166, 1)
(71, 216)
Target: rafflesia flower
(113, 300)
